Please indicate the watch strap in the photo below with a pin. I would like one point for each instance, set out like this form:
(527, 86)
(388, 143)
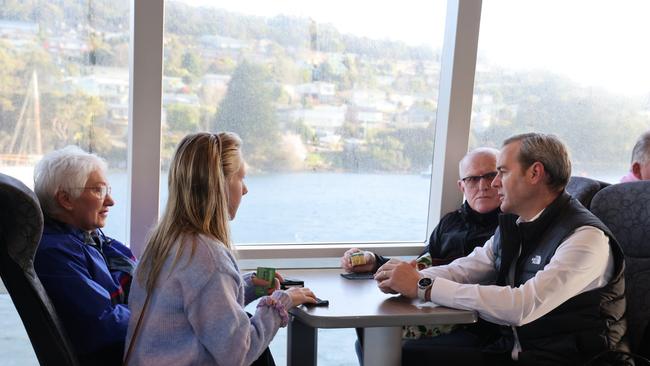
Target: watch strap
(422, 290)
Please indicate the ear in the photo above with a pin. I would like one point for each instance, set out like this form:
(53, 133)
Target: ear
(536, 172)
(64, 200)
(461, 188)
(636, 170)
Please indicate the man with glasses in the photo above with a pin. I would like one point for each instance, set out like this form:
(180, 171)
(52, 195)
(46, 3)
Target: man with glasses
(460, 231)
(548, 286)
(86, 274)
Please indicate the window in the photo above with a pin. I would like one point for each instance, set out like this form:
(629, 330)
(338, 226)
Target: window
(576, 69)
(335, 102)
(64, 79)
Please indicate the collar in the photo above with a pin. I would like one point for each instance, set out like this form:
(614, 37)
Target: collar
(520, 220)
(488, 218)
(55, 226)
(540, 223)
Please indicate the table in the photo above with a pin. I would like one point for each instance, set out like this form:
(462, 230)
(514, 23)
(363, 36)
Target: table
(359, 304)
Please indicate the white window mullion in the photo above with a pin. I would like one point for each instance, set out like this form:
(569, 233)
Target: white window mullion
(457, 69)
(145, 102)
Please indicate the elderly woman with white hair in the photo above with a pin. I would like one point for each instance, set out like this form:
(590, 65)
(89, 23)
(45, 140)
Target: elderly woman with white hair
(86, 274)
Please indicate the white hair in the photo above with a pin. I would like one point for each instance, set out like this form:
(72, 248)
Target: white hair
(479, 151)
(63, 170)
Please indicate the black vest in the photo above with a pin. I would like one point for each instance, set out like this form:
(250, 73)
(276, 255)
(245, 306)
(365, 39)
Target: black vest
(584, 325)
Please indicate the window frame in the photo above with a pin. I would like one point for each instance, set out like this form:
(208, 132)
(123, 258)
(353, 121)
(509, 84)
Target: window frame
(458, 66)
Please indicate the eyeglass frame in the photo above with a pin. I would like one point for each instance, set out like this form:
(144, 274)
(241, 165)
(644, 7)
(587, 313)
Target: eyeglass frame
(473, 181)
(102, 190)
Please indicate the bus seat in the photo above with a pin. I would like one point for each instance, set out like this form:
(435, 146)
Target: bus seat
(583, 189)
(625, 209)
(21, 226)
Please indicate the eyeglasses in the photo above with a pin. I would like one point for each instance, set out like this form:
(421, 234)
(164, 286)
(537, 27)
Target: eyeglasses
(473, 181)
(100, 191)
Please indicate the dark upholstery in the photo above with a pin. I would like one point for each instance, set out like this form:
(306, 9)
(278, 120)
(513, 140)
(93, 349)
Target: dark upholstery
(583, 189)
(603, 184)
(625, 209)
(21, 226)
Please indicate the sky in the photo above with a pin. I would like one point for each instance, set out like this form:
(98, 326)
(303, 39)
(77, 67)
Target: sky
(595, 43)
(599, 43)
(379, 19)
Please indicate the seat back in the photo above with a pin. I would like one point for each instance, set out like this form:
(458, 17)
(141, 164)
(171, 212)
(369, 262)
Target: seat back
(21, 226)
(625, 209)
(583, 189)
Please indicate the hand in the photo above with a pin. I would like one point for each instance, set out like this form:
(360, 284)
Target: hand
(382, 274)
(301, 295)
(346, 264)
(398, 277)
(263, 283)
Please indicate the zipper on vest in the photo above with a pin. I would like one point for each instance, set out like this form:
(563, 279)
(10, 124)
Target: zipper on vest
(516, 348)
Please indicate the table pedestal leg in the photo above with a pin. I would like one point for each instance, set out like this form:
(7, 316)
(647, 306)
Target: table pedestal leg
(382, 346)
(301, 344)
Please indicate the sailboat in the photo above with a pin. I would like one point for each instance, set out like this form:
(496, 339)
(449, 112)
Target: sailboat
(26, 146)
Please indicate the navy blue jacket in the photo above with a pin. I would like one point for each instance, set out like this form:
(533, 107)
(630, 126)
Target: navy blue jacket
(87, 277)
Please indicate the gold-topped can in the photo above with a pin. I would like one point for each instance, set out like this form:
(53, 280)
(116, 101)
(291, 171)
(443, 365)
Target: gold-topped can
(357, 259)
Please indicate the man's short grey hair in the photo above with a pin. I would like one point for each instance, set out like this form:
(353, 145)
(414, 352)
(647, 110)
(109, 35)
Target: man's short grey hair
(548, 150)
(66, 169)
(479, 151)
(641, 151)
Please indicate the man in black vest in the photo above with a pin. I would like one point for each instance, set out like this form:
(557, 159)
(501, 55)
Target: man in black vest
(549, 284)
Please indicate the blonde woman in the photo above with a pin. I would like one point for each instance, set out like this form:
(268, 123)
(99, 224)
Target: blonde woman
(188, 295)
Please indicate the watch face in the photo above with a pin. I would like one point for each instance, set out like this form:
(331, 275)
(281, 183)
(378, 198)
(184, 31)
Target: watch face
(424, 282)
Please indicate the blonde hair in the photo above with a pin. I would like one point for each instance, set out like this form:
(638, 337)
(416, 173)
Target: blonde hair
(198, 202)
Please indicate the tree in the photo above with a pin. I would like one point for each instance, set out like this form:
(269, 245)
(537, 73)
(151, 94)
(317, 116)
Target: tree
(174, 57)
(417, 145)
(193, 64)
(386, 152)
(183, 118)
(76, 119)
(247, 110)
(11, 83)
(222, 65)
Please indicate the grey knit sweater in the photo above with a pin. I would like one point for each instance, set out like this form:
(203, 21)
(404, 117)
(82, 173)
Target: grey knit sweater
(196, 313)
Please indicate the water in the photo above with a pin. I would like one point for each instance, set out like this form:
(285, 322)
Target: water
(15, 347)
(314, 207)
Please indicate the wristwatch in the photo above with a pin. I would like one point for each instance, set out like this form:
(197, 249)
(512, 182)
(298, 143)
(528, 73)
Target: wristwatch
(424, 284)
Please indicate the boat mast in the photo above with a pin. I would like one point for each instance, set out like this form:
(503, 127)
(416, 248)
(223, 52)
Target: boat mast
(25, 131)
(37, 114)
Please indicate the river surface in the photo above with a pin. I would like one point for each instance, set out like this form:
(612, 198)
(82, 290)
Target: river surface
(314, 207)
